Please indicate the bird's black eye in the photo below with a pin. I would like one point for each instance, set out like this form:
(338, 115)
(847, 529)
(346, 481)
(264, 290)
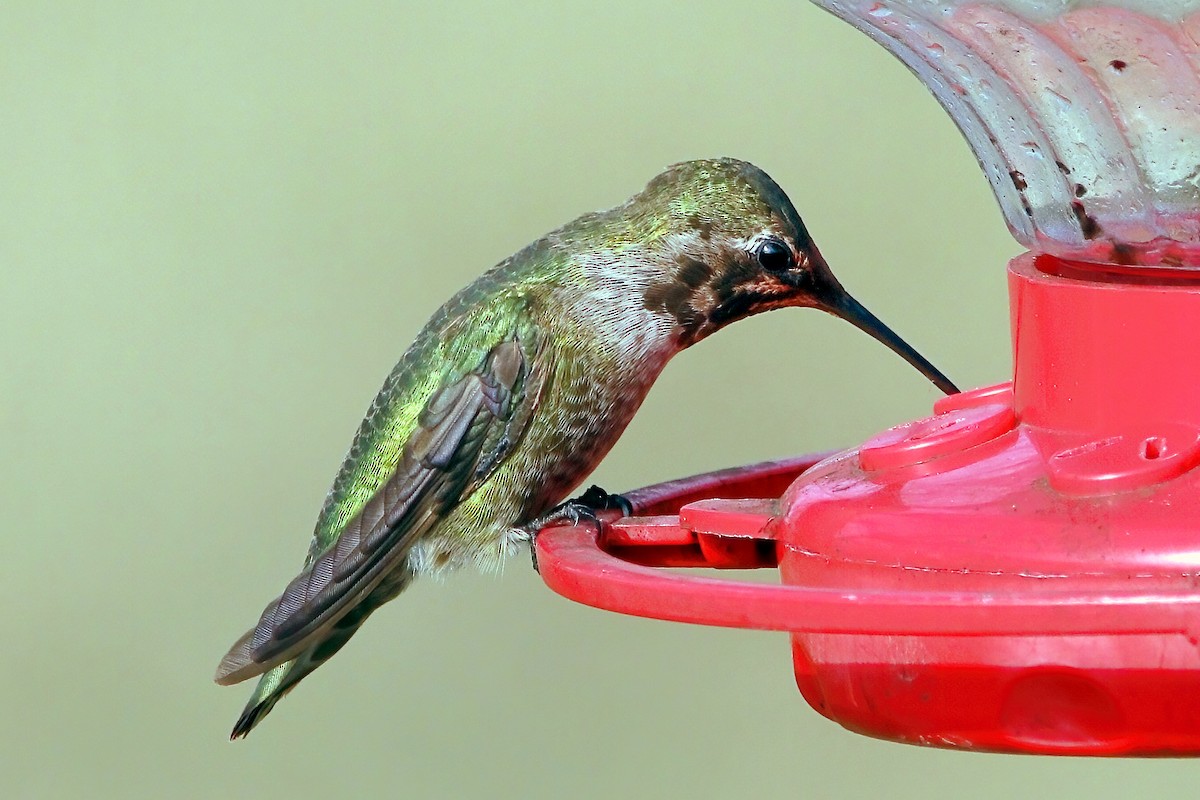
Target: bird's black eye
(775, 256)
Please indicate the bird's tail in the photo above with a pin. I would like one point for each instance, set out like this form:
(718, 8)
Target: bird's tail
(271, 686)
(277, 682)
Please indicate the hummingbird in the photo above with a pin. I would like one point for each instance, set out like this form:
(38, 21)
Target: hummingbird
(520, 384)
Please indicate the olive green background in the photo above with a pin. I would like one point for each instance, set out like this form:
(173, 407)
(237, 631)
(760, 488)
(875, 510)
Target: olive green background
(219, 227)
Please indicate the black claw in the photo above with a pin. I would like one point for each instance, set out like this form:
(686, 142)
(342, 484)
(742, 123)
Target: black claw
(578, 511)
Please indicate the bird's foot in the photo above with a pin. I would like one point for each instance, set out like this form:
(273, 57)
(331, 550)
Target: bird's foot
(597, 499)
(575, 511)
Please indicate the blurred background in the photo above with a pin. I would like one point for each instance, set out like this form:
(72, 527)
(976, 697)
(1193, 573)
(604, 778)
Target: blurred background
(221, 226)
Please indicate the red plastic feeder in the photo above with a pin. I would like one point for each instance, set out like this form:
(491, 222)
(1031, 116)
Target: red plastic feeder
(1020, 571)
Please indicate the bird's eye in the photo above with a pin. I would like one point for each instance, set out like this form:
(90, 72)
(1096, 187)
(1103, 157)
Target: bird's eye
(775, 256)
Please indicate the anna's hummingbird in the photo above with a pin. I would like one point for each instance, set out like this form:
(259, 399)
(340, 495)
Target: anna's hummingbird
(521, 383)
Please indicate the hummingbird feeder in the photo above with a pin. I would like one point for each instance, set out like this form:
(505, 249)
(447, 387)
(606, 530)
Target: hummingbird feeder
(1020, 571)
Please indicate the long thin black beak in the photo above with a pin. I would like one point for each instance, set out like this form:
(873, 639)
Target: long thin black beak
(849, 309)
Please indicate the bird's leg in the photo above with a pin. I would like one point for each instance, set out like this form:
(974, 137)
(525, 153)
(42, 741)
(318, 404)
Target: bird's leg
(574, 511)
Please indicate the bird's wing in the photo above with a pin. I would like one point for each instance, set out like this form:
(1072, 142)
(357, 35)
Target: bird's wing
(466, 429)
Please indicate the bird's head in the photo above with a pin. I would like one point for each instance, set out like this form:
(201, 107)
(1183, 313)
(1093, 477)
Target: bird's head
(732, 245)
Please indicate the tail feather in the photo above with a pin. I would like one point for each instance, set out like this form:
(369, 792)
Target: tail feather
(271, 687)
(280, 680)
(260, 704)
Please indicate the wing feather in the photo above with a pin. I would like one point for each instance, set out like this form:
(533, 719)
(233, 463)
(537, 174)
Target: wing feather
(465, 431)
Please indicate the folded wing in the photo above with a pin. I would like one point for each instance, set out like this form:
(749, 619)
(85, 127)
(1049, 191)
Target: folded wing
(467, 429)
